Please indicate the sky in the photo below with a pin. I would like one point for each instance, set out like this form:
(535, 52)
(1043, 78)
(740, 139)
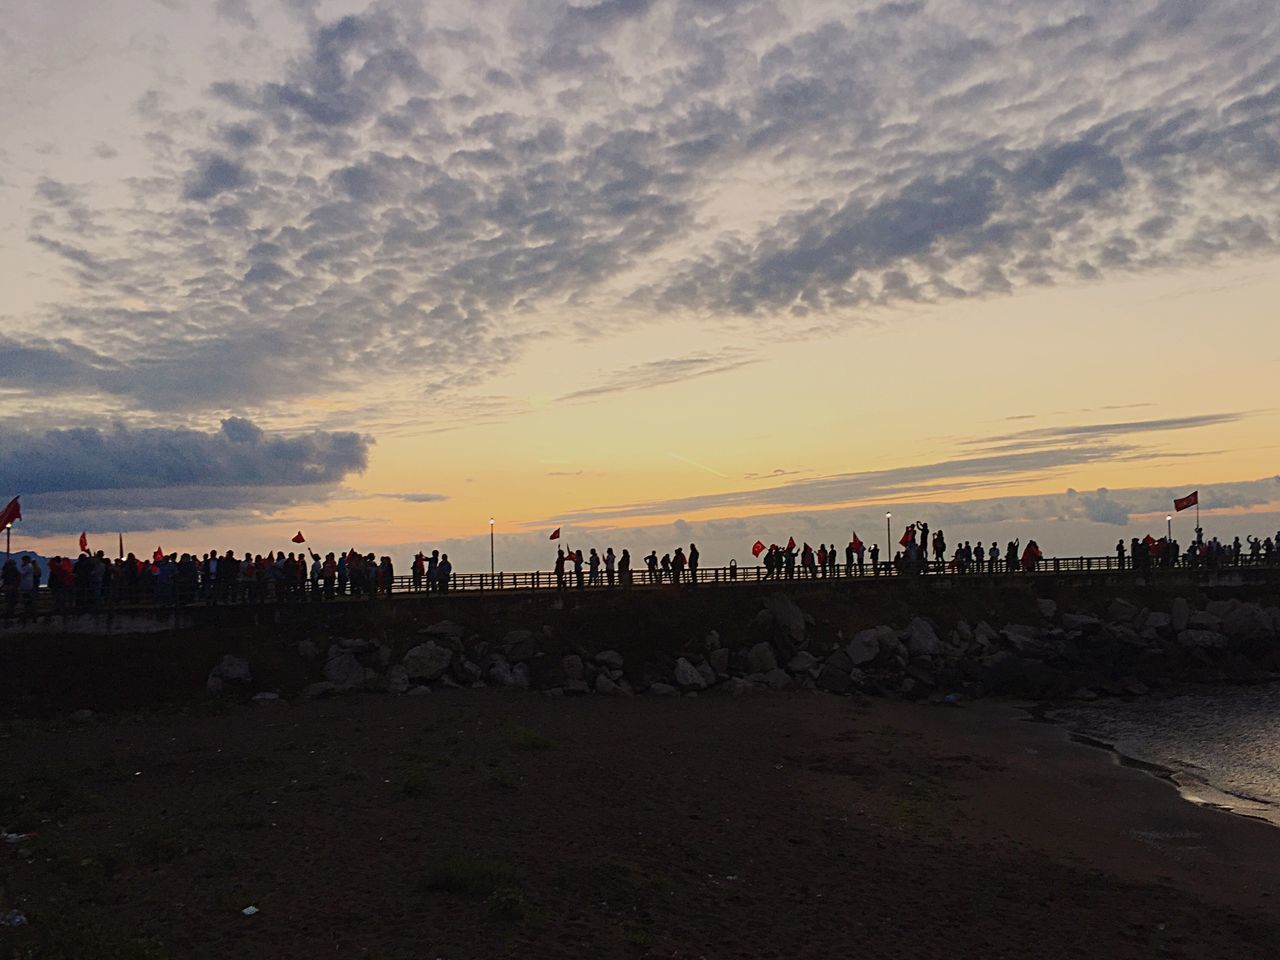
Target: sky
(650, 272)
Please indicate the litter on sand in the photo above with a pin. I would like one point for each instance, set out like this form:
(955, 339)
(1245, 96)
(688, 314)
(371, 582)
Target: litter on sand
(14, 918)
(249, 911)
(15, 837)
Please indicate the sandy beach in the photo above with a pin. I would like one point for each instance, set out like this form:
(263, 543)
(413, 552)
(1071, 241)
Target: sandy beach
(482, 824)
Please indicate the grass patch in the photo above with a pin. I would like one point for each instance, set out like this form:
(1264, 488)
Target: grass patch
(526, 741)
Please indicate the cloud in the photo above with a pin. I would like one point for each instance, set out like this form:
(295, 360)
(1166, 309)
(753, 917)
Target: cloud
(462, 182)
(164, 477)
(655, 373)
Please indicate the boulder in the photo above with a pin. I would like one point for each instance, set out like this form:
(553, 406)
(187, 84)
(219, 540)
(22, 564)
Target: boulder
(777, 679)
(840, 661)
(788, 617)
(520, 645)
(397, 679)
(574, 669)
(761, 658)
(606, 687)
(964, 631)
(712, 641)
(1248, 622)
(315, 691)
(520, 676)
(308, 650)
(719, 660)
(802, 662)
(1201, 639)
(232, 670)
(427, 661)
(985, 634)
(500, 672)
(1204, 620)
(1048, 609)
(356, 645)
(345, 672)
(833, 680)
(1221, 608)
(546, 672)
(1157, 622)
(610, 658)
(687, 676)
(708, 673)
(1121, 611)
(864, 647)
(1081, 622)
(922, 673)
(737, 686)
(1180, 614)
(662, 689)
(466, 671)
(921, 639)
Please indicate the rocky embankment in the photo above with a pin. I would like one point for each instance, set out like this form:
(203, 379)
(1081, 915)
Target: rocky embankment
(1123, 649)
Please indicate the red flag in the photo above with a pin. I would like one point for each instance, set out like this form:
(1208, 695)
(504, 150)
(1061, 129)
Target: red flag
(855, 543)
(757, 548)
(791, 544)
(1192, 499)
(908, 536)
(555, 535)
(299, 538)
(10, 513)
(1148, 539)
(158, 555)
(84, 542)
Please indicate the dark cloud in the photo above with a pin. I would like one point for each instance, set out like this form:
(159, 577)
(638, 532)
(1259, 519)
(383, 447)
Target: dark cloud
(240, 454)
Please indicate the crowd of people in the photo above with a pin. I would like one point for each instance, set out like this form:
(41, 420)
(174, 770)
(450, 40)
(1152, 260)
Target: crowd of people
(93, 581)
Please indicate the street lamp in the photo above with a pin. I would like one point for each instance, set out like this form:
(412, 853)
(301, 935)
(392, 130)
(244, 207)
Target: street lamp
(1168, 519)
(888, 534)
(491, 546)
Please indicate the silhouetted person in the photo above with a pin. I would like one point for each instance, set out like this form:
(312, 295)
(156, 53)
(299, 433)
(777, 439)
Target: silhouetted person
(624, 568)
(693, 564)
(875, 559)
(560, 569)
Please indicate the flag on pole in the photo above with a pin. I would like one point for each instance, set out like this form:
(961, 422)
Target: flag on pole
(158, 555)
(908, 536)
(791, 544)
(299, 538)
(10, 513)
(84, 542)
(122, 546)
(555, 535)
(757, 548)
(1192, 499)
(856, 543)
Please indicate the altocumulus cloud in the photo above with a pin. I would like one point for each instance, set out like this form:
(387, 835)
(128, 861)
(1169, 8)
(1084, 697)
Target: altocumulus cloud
(161, 477)
(453, 177)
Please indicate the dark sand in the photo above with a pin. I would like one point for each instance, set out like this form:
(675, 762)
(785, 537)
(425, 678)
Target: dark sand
(787, 825)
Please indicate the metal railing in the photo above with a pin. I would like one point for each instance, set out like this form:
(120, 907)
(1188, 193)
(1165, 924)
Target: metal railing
(155, 593)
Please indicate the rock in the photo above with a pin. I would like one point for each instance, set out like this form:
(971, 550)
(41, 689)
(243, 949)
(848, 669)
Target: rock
(520, 676)
(1006, 673)
(840, 661)
(788, 616)
(719, 661)
(232, 670)
(687, 676)
(308, 650)
(467, 671)
(1204, 620)
(546, 672)
(864, 647)
(712, 641)
(1180, 614)
(964, 631)
(802, 662)
(777, 679)
(1122, 611)
(708, 673)
(761, 659)
(397, 679)
(1157, 622)
(520, 645)
(609, 658)
(662, 689)
(446, 628)
(1048, 609)
(606, 687)
(1201, 639)
(501, 673)
(921, 639)
(418, 691)
(427, 661)
(356, 645)
(1029, 641)
(833, 680)
(575, 688)
(920, 672)
(573, 667)
(213, 685)
(737, 686)
(315, 691)
(1221, 608)
(1248, 622)
(344, 671)
(267, 697)
(1081, 622)
(985, 634)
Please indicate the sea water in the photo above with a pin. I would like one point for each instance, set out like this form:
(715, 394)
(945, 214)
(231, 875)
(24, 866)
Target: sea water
(1220, 745)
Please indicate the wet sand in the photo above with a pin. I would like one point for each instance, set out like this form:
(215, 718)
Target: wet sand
(482, 824)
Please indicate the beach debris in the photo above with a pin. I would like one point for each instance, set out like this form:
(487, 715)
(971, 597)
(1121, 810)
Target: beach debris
(249, 911)
(14, 918)
(15, 837)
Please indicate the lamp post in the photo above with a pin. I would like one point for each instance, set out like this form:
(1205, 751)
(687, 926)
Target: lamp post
(491, 546)
(8, 539)
(888, 534)
(1168, 520)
